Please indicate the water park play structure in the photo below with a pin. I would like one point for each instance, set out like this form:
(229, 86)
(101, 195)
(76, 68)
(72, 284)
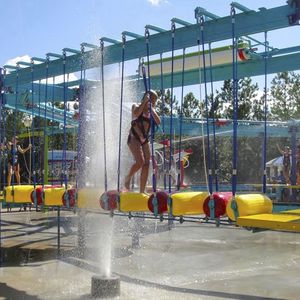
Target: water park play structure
(32, 88)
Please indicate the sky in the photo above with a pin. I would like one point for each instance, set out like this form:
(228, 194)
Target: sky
(35, 27)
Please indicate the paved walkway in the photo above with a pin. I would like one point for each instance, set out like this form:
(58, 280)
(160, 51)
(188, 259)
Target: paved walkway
(191, 261)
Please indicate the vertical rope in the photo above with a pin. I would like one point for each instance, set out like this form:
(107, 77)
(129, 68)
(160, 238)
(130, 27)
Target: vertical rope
(45, 120)
(206, 107)
(162, 92)
(200, 97)
(235, 103)
(32, 130)
(103, 114)
(52, 131)
(3, 117)
(121, 111)
(80, 135)
(265, 116)
(2, 121)
(32, 137)
(152, 122)
(216, 165)
(173, 28)
(13, 147)
(179, 175)
(64, 156)
(39, 137)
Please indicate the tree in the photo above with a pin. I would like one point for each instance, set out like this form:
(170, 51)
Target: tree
(247, 93)
(164, 108)
(285, 96)
(190, 107)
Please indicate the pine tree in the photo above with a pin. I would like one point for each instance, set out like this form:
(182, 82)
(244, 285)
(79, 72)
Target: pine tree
(164, 109)
(190, 106)
(247, 93)
(285, 96)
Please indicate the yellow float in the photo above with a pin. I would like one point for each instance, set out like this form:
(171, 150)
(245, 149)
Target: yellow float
(188, 203)
(248, 205)
(18, 193)
(133, 202)
(54, 196)
(88, 198)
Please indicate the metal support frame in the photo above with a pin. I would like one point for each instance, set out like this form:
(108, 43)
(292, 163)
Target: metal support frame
(180, 22)
(186, 36)
(109, 40)
(88, 45)
(132, 34)
(155, 28)
(293, 131)
(241, 7)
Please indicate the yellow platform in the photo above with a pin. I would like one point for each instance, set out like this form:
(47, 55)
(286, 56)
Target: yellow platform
(19, 193)
(133, 202)
(188, 203)
(271, 221)
(291, 212)
(250, 204)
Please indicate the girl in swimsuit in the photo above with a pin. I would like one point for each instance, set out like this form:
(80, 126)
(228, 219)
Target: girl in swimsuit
(286, 153)
(138, 138)
(13, 164)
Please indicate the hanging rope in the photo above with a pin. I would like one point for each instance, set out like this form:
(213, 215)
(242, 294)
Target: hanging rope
(206, 107)
(52, 130)
(216, 166)
(33, 166)
(3, 118)
(14, 146)
(45, 120)
(201, 111)
(152, 122)
(179, 175)
(80, 142)
(64, 154)
(162, 93)
(235, 103)
(121, 110)
(2, 147)
(103, 114)
(265, 116)
(39, 158)
(173, 28)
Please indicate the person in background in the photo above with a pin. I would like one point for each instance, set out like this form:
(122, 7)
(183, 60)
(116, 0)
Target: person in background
(13, 163)
(298, 165)
(286, 161)
(138, 138)
(13, 166)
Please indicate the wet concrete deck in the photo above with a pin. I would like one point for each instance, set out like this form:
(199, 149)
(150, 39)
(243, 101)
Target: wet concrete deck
(191, 261)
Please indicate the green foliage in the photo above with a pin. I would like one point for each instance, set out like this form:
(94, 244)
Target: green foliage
(190, 107)
(285, 96)
(247, 93)
(163, 108)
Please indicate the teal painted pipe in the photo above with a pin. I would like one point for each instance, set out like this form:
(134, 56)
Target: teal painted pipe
(215, 30)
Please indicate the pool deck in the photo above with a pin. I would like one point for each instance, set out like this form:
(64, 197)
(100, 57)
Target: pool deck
(190, 261)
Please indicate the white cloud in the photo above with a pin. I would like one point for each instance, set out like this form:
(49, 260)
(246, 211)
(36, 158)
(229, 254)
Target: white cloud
(157, 2)
(13, 61)
(27, 58)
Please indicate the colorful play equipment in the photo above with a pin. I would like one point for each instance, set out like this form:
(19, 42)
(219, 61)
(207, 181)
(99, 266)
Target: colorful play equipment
(22, 90)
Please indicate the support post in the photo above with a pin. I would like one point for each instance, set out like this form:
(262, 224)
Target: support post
(293, 130)
(1, 106)
(46, 167)
(58, 231)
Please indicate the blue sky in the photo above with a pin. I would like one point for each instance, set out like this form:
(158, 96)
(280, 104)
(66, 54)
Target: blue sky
(35, 27)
